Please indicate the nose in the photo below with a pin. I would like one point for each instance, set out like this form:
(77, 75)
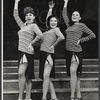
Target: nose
(74, 15)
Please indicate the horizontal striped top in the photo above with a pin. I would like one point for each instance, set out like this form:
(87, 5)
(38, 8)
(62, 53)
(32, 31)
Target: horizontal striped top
(74, 33)
(26, 34)
(49, 38)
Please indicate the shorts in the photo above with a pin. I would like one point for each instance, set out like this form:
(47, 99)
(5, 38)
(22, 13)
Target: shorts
(43, 57)
(69, 55)
(30, 60)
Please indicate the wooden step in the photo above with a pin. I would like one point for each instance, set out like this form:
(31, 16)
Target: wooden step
(57, 75)
(57, 62)
(62, 94)
(14, 69)
(58, 83)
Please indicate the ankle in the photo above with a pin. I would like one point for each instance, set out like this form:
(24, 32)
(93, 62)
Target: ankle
(54, 98)
(72, 98)
(44, 98)
(20, 99)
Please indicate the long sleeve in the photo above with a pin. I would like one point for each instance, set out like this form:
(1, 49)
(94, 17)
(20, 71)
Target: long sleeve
(65, 16)
(38, 33)
(48, 14)
(90, 34)
(59, 35)
(17, 19)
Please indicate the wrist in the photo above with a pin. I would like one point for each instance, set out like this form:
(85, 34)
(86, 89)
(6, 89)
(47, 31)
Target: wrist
(30, 43)
(16, 1)
(54, 45)
(50, 9)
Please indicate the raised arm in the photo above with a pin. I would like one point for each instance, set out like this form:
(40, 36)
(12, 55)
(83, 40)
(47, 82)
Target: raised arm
(16, 15)
(51, 6)
(64, 13)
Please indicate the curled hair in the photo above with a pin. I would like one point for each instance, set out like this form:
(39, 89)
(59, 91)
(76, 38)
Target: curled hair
(70, 15)
(51, 1)
(49, 18)
(29, 10)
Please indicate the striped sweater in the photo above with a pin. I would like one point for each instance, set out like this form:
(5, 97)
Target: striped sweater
(26, 34)
(74, 33)
(49, 39)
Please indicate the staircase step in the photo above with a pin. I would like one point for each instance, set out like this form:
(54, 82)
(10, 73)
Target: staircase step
(58, 83)
(89, 80)
(14, 69)
(57, 62)
(57, 75)
(62, 94)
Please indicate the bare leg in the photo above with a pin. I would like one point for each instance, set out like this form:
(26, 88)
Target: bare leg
(73, 79)
(78, 91)
(52, 91)
(22, 79)
(46, 80)
(28, 88)
(47, 70)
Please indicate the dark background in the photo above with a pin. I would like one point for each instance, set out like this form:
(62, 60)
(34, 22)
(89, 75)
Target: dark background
(89, 10)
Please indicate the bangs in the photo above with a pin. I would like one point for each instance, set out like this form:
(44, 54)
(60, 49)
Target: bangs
(29, 10)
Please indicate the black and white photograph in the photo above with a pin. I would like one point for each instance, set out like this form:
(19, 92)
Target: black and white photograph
(50, 50)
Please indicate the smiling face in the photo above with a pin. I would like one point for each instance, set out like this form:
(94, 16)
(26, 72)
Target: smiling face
(76, 16)
(53, 22)
(29, 17)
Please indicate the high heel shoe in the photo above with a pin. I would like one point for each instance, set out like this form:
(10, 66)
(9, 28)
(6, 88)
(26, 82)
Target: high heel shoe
(72, 98)
(20, 99)
(53, 99)
(44, 99)
(78, 99)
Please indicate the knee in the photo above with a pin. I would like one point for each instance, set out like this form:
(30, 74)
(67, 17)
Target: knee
(72, 71)
(29, 81)
(21, 74)
(46, 76)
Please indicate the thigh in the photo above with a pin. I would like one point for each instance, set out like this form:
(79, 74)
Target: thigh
(74, 62)
(48, 65)
(23, 59)
(49, 60)
(23, 64)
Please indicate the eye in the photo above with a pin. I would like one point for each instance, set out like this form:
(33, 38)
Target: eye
(55, 20)
(26, 15)
(76, 14)
(30, 14)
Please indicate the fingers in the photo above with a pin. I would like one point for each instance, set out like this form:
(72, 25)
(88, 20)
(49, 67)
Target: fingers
(77, 44)
(65, 0)
(51, 4)
(51, 48)
(30, 47)
(17, 0)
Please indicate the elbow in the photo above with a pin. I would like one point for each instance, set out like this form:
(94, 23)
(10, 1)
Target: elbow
(94, 36)
(13, 14)
(41, 36)
(63, 37)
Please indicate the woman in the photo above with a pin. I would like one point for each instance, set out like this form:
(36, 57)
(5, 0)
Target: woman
(50, 39)
(74, 33)
(26, 51)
